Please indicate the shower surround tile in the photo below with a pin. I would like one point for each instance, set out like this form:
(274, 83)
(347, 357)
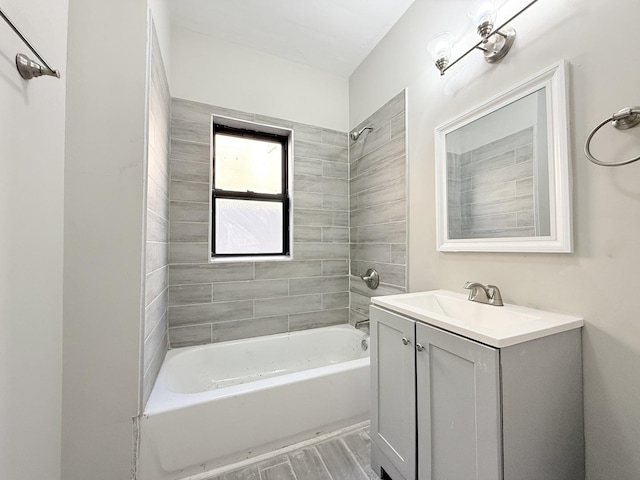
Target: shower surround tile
(378, 213)
(157, 222)
(349, 208)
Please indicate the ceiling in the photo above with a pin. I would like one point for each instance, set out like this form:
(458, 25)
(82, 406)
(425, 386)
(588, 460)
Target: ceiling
(331, 35)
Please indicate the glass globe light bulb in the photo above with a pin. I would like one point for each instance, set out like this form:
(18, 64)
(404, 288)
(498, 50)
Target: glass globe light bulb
(440, 49)
(483, 14)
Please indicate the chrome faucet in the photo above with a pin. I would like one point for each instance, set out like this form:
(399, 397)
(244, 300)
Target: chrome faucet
(489, 294)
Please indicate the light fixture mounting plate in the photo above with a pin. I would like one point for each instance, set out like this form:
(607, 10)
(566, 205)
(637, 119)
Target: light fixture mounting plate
(499, 44)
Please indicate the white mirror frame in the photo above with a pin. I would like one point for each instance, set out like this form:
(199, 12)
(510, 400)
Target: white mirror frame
(559, 240)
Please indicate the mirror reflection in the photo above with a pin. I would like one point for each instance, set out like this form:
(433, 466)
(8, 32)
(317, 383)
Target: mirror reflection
(498, 173)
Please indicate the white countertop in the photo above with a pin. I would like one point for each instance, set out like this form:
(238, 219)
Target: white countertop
(496, 326)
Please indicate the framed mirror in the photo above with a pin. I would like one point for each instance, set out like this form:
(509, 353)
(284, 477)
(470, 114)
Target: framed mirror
(502, 171)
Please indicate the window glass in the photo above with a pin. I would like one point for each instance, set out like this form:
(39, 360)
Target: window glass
(248, 227)
(247, 164)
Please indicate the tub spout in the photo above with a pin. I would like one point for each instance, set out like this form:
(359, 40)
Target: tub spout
(362, 323)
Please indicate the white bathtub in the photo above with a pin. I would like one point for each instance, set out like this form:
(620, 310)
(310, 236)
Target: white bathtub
(217, 404)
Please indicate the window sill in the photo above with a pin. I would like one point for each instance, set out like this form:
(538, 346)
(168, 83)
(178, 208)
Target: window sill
(243, 259)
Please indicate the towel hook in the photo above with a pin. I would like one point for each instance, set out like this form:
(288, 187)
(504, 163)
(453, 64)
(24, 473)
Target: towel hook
(622, 120)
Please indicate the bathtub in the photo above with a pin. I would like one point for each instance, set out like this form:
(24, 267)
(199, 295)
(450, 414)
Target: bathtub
(221, 403)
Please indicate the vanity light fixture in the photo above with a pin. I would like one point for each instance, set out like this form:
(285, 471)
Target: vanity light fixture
(495, 43)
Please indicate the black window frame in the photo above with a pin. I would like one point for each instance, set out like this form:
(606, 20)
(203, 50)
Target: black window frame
(283, 197)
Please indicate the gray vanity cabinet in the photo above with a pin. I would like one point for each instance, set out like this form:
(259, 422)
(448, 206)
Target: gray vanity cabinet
(445, 407)
(393, 381)
(458, 391)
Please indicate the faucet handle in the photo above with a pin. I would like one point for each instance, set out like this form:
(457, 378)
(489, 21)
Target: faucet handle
(496, 296)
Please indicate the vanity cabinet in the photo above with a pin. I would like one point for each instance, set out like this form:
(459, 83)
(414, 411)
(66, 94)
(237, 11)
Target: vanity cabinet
(446, 407)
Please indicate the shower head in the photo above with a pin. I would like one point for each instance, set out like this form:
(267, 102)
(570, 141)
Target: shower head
(356, 135)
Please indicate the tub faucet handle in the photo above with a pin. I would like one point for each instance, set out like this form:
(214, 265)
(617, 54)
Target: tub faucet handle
(371, 278)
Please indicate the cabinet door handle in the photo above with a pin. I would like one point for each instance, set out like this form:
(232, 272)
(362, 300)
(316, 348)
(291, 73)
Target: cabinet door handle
(419, 347)
(405, 341)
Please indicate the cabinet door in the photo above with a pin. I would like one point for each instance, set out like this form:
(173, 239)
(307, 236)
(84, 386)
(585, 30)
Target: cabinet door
(459, 422)
(393, 406)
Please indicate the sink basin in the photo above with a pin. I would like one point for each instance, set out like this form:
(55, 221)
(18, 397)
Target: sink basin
(495, 326)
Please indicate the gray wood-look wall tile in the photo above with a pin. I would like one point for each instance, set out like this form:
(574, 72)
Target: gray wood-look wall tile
(303, 199)
(253, 327)
(307, 217)
(303, 286)
(151, 372)
(325, 318)
(335, 170)
(157, 255)
(335, 234)
(334, 137)
(155, 283)
(315, 184)
(375, 252)
(204, 294)
(183, 151)
(394, 149)
(387, 213)
(209, 273)
(398, 125)
(192, 335)
(155, 310)
(210, 313)
(335, 267)
(157, 218)
(189, 212)
(307, 166)
(399, 253)
(158, 199)
(335, 202)
(391, 170)
(273, 270)
(332, 301)
(190, 172)
(395, 232)
(321, 251)
(190, 294)
(378, 204)
(191, 232)
(322, 151)
(250, 290)
(287, 305)
(180, 252)
(382, 193)
(157, 228)
(155, 341)
(182, 191)
(307, 234)
(307, 132)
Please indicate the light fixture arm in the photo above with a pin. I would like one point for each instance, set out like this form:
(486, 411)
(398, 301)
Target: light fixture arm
(26, 66)
(493, 32)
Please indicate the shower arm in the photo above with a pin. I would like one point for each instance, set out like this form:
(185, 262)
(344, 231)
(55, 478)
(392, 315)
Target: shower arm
(20, 58)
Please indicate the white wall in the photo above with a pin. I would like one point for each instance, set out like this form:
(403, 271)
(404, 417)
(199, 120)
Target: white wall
(226, 75)
(162, 21)
(598, 280)
(103, 238)
(31, 210)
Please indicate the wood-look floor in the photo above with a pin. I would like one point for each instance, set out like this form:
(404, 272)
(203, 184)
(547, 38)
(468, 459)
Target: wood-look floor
(345, 456)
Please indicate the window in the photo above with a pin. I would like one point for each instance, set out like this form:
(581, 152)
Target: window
(250, 197)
